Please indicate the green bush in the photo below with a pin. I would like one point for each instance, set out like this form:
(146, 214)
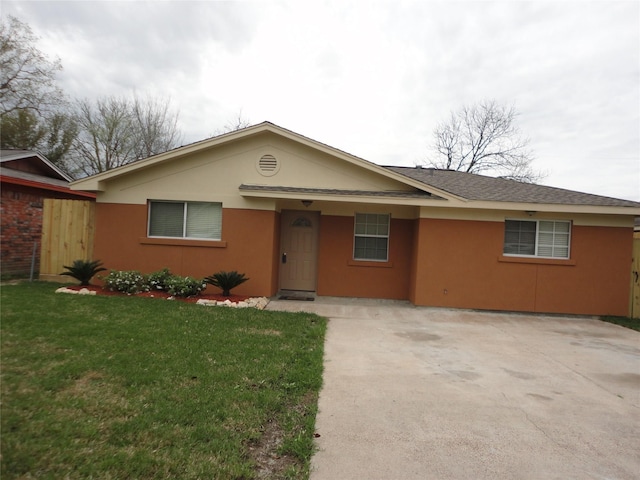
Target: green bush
(126, 281)
(226, 281)
(184, 286)
(159, 280)
(84, 270)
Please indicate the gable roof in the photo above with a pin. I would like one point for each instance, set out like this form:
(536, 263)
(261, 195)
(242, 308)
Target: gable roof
(32, 162)
(97, 182)
(29, 168)
(445, 187)
(472, 186)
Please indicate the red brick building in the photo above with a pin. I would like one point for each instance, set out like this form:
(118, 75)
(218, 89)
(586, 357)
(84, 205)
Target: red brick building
(26, 179)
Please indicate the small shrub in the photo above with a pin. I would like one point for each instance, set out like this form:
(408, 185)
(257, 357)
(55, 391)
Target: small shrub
(126, 281)
(226, 281)
(84, 270)
(159, 280)
(184, 286)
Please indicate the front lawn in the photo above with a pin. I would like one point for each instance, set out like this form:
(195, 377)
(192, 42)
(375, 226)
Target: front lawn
(124, 387)
(632, 323)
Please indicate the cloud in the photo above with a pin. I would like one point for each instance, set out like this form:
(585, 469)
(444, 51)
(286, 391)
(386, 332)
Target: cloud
(373, 81)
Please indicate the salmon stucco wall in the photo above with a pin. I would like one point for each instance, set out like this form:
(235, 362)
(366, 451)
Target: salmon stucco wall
(249, 245)
(340, 275)
(460, 264)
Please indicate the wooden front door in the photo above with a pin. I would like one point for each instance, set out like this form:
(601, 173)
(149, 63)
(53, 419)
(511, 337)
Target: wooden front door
(298, 250)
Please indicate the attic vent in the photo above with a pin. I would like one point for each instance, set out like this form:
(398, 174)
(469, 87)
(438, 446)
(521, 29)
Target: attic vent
(268, 165)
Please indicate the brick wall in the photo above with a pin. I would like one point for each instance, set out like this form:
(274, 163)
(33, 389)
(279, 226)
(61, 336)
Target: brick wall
(21, 226)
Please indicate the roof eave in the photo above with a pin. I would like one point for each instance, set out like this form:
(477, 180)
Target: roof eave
(339, 197)
(552, 208)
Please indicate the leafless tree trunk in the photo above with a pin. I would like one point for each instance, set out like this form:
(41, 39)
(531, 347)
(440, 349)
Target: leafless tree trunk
(484, 138)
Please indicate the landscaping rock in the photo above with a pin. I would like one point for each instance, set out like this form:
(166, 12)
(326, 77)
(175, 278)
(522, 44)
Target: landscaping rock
(82, 291)
(207, 303)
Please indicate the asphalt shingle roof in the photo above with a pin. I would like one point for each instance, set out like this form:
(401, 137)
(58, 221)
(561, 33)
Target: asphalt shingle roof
(479, 187)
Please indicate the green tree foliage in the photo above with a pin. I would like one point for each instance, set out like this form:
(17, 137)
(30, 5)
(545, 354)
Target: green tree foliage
(32, 107)
(21, 129)
(52, 136)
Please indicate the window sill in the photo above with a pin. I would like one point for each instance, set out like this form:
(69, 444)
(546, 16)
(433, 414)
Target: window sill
(537, 261)
(369, 263)
(183, 242)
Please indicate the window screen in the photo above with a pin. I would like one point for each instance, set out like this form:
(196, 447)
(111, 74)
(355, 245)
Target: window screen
(540, 238)
(371, 239)
(185, 220)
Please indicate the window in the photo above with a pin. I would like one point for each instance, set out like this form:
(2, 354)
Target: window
(371, 240)
(200, 220)
(537, 238)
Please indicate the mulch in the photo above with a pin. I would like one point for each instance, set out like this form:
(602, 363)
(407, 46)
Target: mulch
(162, 295)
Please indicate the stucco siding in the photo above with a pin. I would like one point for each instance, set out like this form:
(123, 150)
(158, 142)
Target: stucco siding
(460, 264)
(248, 246)
(340, 275)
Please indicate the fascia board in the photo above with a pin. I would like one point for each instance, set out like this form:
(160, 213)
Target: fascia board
(549, 207)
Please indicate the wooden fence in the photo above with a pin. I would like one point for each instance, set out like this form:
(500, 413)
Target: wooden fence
(67, 235)
(634, 307)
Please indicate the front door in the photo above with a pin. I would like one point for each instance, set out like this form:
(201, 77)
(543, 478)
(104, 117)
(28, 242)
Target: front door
(298, 249)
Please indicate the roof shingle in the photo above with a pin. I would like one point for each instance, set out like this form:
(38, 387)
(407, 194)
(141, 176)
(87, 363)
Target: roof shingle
(479, 187)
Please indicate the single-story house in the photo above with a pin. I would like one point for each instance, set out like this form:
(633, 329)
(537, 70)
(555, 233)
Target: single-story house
(26, 179)
(296, 214)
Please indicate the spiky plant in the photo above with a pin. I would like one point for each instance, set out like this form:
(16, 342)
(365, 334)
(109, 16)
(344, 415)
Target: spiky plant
(226, 281)
(84, 270)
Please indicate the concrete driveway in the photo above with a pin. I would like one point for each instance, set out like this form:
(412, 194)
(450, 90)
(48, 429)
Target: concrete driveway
(419, 393)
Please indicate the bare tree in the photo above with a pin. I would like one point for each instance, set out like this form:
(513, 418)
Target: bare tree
(105, 137)
(115, 131)
(155, 126)
(484, 138)
(27, 76)
(236, 123)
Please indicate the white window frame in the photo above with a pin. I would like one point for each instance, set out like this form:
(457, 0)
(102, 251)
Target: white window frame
(540, 244)
(357, 235)
(185, 216)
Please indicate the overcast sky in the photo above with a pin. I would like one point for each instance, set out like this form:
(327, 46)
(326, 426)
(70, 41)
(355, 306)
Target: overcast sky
(372, 78)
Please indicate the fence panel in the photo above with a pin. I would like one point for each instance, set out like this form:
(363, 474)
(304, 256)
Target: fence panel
(67, 235)
(634, 308)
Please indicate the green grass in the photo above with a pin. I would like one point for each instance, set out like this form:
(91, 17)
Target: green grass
(124, 387)
(632, 323)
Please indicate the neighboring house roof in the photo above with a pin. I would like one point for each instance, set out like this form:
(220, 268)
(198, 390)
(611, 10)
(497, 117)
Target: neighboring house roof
(32, 169)
(36, 162)
(472, 186)
(424, 187)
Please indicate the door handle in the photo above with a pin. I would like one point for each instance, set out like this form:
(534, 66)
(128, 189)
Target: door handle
(284, 258)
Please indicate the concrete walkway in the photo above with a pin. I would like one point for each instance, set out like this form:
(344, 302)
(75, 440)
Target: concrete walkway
(418, 393)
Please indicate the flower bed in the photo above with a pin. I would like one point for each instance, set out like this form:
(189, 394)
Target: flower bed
(238, 301)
